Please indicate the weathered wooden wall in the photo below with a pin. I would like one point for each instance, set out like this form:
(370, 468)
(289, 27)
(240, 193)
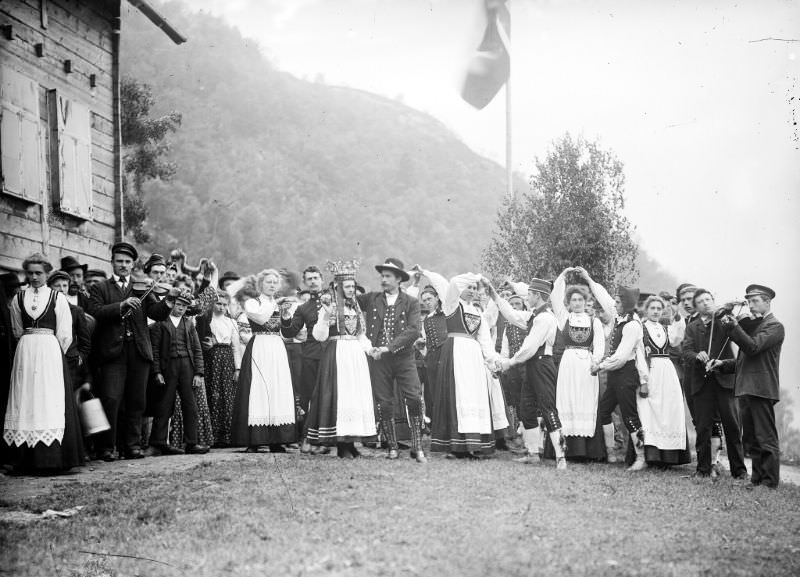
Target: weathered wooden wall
(81, 31)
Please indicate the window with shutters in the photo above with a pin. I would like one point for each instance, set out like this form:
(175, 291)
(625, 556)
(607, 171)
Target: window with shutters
(71, 151)
(20, 136)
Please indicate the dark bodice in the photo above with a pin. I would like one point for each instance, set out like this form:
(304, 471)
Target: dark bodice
(271, 327)
(463, 322)
(47, 320)
(435, 330)
(578, 337)
(651, 349)
(516, 336)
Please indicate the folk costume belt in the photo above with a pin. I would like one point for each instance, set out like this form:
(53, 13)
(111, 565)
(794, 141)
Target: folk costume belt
(344, 338)
(580, 348)
(35, 331)
(462, 335)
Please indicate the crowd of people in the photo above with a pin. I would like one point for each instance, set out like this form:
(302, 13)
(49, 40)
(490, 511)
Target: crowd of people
(184, 359)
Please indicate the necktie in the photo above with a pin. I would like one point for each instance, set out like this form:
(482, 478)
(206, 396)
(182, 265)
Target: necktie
(123, 283)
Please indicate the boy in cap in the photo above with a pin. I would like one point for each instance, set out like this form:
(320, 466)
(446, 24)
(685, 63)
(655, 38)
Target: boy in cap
(757, 384)
(178, 368)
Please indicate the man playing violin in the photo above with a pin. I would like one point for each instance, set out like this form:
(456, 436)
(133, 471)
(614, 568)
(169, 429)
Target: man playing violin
(124, 352)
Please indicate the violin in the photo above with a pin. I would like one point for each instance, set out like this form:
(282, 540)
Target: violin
(141, 287)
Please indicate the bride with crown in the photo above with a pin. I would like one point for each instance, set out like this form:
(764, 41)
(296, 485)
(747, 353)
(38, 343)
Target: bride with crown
(341, 411)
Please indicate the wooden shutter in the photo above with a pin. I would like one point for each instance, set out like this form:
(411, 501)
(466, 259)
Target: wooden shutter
(73, 143)
(20, 136)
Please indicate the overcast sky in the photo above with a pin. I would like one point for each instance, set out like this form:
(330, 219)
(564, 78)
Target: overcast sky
(698, 99)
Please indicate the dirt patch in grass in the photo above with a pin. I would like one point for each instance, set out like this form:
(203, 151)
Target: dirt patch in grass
(300, 515)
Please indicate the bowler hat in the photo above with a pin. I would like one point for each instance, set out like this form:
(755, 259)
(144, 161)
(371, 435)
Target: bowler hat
(125, 248)
(759, 290)
(228, 275)
(69, 263)
(10, 281)
(154, 260)
(394, 265)
(57, 275)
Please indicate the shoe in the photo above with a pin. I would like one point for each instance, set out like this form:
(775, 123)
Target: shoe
(700, 475)
(197, 449)
(714, 472)
(611, 458)
(529, 459)
(277, 448)
(392, 454)
(305, 447)
(167, 450)
(134, 454)
(107, 456)
(561, 464)
(419, 456)
(251, 449)
(501, 445)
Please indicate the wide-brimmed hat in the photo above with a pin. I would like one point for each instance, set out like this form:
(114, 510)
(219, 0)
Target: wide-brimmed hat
(759, 290)
(10, 281)
(228, 275)
(58, 275)
(394, 265)
(69, 263)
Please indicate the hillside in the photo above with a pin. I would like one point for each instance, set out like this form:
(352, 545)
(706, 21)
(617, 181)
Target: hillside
(277, 171)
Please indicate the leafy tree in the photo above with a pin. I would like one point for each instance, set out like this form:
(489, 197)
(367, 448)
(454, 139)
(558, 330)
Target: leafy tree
(145, 148)
(573, 215)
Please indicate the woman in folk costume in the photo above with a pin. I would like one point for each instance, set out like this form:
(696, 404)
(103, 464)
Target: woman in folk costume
(40, 417)
(341, 410)
(577, 386)
(661, 411)
(469, 405)
(265, 406)
(222, 348)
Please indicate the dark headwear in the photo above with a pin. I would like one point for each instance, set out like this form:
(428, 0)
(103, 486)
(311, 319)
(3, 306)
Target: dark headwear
(629, 297)
(10, 281)
(185, 296)
(687, 286)
(541, 286)
(759, 290)
(57, 275)
(229, 275)
(154, 259)
(699, 292)
(429, 289)
(69, 263)
(96, 272)
(394, 265)
(125, 248)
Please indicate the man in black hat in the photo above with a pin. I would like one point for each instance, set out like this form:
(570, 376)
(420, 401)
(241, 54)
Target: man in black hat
(228, 278)
(80, 348)
(393, 326)
(92, 277)
(11, 284)
(123, 348)
(538, 394)
(757, 383)
(77, 294)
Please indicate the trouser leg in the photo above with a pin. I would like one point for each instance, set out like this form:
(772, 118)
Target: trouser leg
(749, 438)
(766, 439)
(405, 375)
(528, 408)
(704, 402)
(544, 381)
(383, 393)
(184, 375)
(135, 396)
(112, 388)
(728, 413)
(163, 409)
(608, 402)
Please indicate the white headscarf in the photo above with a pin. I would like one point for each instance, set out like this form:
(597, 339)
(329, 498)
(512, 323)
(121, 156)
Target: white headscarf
(520, 289)
(457, 286)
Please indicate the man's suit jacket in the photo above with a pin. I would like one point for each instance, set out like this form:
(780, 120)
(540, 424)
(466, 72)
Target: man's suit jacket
(162, 334)
(757, 366)
(406, 320)
(305, 315)
(696, 340)
(104, 305)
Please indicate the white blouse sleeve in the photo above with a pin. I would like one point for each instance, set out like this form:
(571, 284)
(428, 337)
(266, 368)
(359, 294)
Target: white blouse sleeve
(259, 311)
(599, 342)
(485, 341)
(236, 344)
(557, 300)
(63, 322)
(504, 348)
(606, 302)
(321, 329)
(675, 333)
(513, 316)
(16, 318)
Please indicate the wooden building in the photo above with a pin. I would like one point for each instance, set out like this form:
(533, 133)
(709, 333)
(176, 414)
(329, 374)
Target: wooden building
(60, 145)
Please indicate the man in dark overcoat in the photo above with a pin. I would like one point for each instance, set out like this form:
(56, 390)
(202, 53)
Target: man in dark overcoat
(124, 352)
(757, 382)
(393, 325)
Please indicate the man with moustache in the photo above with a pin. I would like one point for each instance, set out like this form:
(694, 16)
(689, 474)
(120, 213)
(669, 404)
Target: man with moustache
(393, 326)
(77, 294)
(303, 318)
(124, 351)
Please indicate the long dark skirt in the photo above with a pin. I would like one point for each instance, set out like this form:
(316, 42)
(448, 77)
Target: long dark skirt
(661, 458)
(205, 431)
(244, 435)
(445, 437)
(581, 448)
(58, 456)
(322, 414)
(431, 387)
(221, 391)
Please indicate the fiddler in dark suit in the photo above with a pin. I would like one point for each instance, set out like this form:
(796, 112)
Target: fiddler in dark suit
(757, 383)
(393, 326)
(124, 352)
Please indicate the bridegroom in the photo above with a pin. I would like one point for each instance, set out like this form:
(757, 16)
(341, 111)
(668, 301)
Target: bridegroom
(392, 326)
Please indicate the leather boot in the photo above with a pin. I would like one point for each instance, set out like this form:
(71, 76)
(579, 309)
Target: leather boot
(416, 440)
(391, 438)
(608, 435)
(559, 446)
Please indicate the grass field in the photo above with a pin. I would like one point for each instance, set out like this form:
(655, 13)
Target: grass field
(237, 514)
